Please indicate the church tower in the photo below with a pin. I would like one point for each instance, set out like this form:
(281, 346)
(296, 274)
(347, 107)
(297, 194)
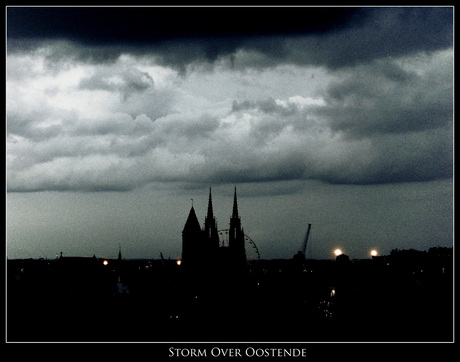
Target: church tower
(201, 251)
(192, 241)
(236, 236)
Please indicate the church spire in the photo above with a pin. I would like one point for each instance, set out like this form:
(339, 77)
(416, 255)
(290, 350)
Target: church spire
(236, 235)
(210, 211)
(210, 226)
(235, 206)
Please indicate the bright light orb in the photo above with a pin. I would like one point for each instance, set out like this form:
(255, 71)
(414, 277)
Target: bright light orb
(179, 262)
(105, 262)
(374, 252)
(338, 252)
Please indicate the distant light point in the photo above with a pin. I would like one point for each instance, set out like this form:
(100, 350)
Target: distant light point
(374, 252)
(338, 252)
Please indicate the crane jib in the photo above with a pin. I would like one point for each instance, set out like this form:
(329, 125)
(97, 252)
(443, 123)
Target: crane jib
(304, 248)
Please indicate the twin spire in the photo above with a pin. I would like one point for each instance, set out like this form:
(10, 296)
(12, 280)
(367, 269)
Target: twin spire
(200, 244)
(210, 209)
(192, 223)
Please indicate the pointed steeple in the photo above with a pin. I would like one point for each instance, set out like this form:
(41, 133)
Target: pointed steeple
(192, 241)
(235, 206)
(210, 211)
(192, 224)
(235, 222)
(210, 226)
(236, 236)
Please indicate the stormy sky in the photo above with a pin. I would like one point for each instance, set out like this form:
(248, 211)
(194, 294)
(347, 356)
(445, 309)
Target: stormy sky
(118, 117)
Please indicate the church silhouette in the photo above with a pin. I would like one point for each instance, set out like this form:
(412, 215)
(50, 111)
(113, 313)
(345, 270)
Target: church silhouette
(201, 249)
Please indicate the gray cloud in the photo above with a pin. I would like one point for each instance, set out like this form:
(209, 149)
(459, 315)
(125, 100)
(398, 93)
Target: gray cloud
(127, 82)
(383, 98)
(252, 141)
(419, 156)
(378, 116)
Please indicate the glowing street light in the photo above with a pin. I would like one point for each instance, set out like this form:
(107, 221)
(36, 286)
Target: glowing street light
(374, 252)
(105, 262)
(338, 252)
(179, 262)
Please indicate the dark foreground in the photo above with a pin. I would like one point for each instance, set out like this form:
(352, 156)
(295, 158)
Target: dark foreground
(407, 296)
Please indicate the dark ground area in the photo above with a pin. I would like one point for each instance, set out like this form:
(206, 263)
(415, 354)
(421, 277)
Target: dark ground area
(406, 296)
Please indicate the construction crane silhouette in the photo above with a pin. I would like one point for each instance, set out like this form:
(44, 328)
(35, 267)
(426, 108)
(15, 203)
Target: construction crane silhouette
(304, 248)
(301, 253)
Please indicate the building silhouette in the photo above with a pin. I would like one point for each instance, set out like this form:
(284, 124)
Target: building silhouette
(201, 249)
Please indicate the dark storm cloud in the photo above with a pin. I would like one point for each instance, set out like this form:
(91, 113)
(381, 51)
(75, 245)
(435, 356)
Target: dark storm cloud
(152, 25)
(178, 35)
(334, 37)
(384, 32)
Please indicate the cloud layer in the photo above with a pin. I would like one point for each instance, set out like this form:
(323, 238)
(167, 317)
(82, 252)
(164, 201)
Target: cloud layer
(178, 37)
(366, 101)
